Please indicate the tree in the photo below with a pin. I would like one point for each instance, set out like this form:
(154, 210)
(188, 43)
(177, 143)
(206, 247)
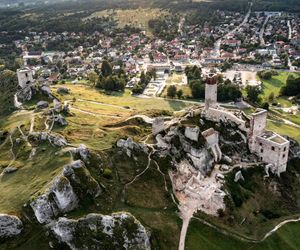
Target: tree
(113, 83)
(253, 93)
(93, 77)
(265, 106)
(8, 87)
(292, 87)
(106, 68)
(171, 91)
(179, 93)
(198, 90)
(271, 97)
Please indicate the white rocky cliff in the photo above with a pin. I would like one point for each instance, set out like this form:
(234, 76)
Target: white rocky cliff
(96, 231)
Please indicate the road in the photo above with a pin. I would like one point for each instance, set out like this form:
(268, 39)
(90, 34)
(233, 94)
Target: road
(290, 29)
(262, 32)
(218, 42)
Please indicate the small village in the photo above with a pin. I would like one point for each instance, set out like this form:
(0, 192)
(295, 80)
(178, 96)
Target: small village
(252, 42)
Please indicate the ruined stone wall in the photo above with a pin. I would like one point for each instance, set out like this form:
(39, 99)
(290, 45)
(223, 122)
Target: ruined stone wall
(218, 115)
(24, 77)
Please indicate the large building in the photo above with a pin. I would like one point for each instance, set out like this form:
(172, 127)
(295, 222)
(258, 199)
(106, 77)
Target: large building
(270, 147)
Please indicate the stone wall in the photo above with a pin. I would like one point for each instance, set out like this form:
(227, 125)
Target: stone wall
(218, 115)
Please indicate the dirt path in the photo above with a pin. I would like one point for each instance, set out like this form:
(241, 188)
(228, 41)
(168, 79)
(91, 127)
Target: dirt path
(31, 124)
(103, 104)
(144, 117)
(93, 114)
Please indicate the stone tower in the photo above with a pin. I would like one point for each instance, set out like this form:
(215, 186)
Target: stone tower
(211, 91)
(258, 124)
(25, 77)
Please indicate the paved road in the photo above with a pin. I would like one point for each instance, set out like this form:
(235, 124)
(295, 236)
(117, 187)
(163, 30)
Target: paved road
(262, 32)
(218, 42)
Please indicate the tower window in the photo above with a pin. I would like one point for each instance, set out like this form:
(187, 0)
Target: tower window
(261, 150)
(283, 156)
(284, 149)
(26, 74)
(273, 148)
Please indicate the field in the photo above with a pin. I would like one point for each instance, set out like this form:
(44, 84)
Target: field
(203, 237)
(138, 18)
(284, 129)
(274, 85)
(32, 175)
(93, 112)
(180, 81)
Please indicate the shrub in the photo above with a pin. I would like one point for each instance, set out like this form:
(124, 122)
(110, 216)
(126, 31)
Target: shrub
(107, 173)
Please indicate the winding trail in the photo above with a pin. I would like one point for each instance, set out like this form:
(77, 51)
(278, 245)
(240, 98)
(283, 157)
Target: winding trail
(144, 171)
(12, 149)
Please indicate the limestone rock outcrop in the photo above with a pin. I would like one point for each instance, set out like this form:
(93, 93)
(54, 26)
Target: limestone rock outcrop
(96, 231)
(63, 91)
(55, 139)
(10, 225)
(61, 197)
(42, 105)
(129, 146)
(192, 133)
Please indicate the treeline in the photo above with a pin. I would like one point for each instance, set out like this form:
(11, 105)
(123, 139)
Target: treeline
(292, 87)
(108, 79)
(165, 27)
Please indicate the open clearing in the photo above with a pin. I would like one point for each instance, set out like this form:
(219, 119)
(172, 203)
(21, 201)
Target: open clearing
(93, 112)
(133, 17)
(203, 237)
(274, 85)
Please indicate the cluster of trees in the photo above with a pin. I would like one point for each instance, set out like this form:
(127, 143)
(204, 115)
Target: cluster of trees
(195, 82)
(145, 78)
(107, 79)
(173, 92)
(227, 91)
(267, 74)
(165, 27)
(292, 87)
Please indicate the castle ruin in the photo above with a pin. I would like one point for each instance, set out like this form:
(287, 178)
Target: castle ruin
(25, 77)
(270, 147)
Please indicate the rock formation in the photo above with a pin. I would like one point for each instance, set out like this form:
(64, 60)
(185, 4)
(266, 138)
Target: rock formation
(60, 197)
(10, 226)
(96, 231)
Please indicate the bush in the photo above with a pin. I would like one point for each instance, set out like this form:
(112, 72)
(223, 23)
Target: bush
(107, 173)
(171, 91)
